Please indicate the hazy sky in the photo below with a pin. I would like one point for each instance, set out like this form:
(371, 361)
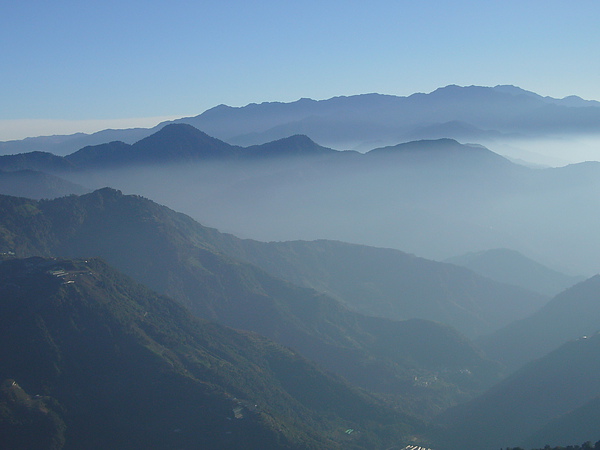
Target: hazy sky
(70, 61)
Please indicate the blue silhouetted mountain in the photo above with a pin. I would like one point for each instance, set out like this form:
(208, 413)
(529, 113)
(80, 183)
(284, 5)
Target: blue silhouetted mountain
(363, 118)
(171, 144)
(174, 255)
(522, 407)
(512, 267)
(434, 198)
(182, 143)
(111, 154)
(571, 100)
(41, 161)
(65, 144)
(91, 359)
(37, 175)
(347, 122)
(444, 152)
(296, 146)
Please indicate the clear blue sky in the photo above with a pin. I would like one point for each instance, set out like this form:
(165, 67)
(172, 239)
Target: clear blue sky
(105, 60)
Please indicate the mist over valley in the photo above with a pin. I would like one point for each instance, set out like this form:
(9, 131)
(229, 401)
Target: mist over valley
(367, 271)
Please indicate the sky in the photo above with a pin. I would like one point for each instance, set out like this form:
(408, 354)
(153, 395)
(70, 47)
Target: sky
(68, 66)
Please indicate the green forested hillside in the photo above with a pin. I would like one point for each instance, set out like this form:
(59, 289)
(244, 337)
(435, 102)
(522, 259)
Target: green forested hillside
(174, 255)
(110, 364)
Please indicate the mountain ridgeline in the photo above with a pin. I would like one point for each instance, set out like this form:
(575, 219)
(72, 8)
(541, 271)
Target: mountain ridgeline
(468, 113)
(390, 283)
(125, 324)
(178, 143)
(435, 198)
(182, 143)
(174, 255)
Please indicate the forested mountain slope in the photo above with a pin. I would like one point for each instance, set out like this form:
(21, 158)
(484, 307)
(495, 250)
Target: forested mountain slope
(174, 255)
(114, 365)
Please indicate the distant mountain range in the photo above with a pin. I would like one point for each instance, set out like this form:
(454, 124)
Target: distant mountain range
(301, 340)
(172, 144)
(372, 118)
(446, 198)
(369, 120)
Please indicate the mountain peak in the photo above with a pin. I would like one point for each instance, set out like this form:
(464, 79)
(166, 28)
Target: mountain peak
(179, 141)
(420, 145)
(177, 131)
(108, 192)
(296, 145)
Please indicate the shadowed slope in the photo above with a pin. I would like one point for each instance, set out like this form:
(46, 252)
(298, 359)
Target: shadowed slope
(126, 368)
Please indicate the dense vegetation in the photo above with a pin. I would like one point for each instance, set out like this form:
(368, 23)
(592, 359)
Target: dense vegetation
(113, 365)
(420, 367)
(326, 359)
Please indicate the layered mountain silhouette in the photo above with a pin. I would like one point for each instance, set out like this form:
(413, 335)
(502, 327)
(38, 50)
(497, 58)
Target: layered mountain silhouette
(474, 307)
(65, 144)
(435, 198)
(175, 143)
(181, 143)
(91, 359)
(174, 255)
(359, 120)
(332, 344)
(41, 161)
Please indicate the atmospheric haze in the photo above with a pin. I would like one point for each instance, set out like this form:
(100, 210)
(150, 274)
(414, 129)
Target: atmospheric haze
(408, 178)
(436, 199)
(300, 225)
